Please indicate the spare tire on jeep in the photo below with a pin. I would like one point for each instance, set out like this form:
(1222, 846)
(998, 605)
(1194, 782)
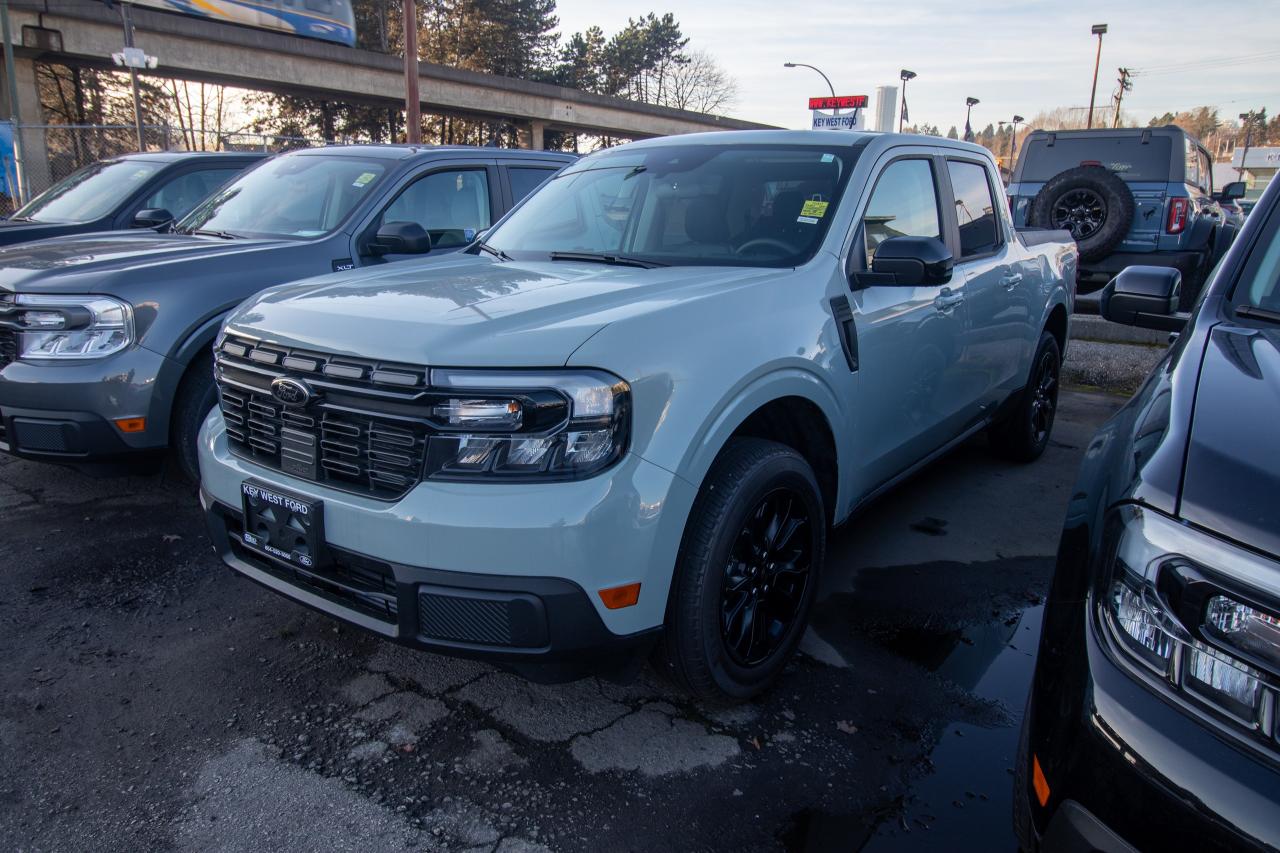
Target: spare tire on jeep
(1090, 202)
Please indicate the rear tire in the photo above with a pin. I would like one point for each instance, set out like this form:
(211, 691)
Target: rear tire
(1090, 202)
(1024, 434)
(746, 574)
(197, 395)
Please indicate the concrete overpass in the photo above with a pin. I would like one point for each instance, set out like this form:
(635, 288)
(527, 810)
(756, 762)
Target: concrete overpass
(85, 32)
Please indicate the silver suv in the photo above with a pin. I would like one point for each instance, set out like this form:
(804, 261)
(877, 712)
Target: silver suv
(625, 418)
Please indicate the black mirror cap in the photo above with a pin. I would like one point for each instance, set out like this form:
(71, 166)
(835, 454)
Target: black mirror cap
(1232, 191)
(400, 238)
(152, 217)
(911, 262)
(1144, 296)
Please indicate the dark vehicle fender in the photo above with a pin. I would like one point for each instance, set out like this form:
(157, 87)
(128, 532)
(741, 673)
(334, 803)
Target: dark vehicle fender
(1203, 233)
(176, 363)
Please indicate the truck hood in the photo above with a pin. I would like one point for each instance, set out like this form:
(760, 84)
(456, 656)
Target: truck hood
(12, 231)
(472, 311)
(1233, 471)
(88, 263)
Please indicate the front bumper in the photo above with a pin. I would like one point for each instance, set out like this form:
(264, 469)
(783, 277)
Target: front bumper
(64, 412)
(504, 571)
(1129, 766)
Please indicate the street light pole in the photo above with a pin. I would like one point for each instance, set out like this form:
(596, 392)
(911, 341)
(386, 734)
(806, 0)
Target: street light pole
(1098, 30)
(412, 102)
(815, 68)
(1013, 140)
(904, 75)
(968, 112)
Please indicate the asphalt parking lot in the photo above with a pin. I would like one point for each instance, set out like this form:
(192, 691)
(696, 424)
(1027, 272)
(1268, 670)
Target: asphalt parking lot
(151, 700)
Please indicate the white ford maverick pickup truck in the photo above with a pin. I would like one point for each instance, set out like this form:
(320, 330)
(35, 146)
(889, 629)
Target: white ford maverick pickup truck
(622, 422)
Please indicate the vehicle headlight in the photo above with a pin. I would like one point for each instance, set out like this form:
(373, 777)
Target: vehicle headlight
(508, 424)
(1199, 613)
(70, 327)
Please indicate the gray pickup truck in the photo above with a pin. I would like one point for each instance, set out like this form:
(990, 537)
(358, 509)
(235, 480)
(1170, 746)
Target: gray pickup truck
(625, 419)
(104, 338)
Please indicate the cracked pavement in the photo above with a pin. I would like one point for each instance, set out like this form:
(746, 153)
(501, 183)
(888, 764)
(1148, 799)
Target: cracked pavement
(152, 700)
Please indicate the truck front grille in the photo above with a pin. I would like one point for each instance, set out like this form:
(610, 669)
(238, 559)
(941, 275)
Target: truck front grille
(8, 346)
(359, 434)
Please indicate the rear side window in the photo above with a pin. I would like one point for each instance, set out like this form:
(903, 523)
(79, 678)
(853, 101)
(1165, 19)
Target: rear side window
(975, 209)
(903, 204)
(525, 180)
(1127, 156)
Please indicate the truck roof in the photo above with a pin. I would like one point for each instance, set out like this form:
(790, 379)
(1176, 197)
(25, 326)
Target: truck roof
(179, 156)
(408, 152)
(826, 138)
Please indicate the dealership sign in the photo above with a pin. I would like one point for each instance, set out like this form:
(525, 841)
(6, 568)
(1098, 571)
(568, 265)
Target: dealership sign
(839, 112)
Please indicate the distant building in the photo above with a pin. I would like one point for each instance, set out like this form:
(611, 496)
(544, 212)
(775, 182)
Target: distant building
(1260, 167)
(886, 109)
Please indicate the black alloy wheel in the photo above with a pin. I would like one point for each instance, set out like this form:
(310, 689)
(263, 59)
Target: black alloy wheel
(766, 577)
(1080, 211)
(1044, 402)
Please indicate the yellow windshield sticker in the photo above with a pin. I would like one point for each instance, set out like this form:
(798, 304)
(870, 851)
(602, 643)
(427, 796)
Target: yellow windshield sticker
(814, 208)
(364, 178)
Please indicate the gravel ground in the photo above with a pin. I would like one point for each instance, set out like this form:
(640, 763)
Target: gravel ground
(1115, 367)
(150, 700)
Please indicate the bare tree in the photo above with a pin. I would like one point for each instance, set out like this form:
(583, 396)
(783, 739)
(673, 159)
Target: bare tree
(699, 84)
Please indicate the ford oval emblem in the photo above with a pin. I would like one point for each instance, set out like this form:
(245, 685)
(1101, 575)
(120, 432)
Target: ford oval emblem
(291, 392)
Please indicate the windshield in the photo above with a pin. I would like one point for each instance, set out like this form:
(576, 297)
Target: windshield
(299, 196)
(90, 193)
(737, 205)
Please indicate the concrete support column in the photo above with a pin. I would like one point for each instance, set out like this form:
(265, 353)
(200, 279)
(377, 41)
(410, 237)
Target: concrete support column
(531, 135)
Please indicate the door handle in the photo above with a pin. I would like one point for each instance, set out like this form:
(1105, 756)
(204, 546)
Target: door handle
(1011, 281)
(947, 301)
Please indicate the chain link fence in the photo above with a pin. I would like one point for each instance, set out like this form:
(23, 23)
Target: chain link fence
(44, 154)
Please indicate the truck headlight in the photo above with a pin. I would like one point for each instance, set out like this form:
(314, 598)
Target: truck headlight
(71, 327)
(544, 425)
(1197, 612)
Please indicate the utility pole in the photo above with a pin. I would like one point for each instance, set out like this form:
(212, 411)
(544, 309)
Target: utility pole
(1013, 138)
(127, 23)
(412, 103)
(1125, 84)
(1247, 118)
(1098, 30)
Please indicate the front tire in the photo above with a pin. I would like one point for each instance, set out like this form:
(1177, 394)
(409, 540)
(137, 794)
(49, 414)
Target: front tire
(197, 395)
(1024, 434)
(746, 574)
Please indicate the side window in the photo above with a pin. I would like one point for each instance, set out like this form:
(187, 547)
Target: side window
(525, 180)
(904, 203)
(975, 209)
(1206, 171)
(451, 206)
(184, 192)
(1193, 164)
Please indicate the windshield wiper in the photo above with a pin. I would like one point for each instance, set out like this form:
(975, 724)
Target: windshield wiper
(497, 253)
(225, 235)
(1255, 313)
(20, 219)
(602, 258)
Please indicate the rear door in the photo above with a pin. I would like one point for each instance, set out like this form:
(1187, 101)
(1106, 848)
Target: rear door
(996, 287)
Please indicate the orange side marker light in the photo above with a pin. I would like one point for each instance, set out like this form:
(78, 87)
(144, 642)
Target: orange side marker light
(131, 424)
(618, 597)
(1039, 782)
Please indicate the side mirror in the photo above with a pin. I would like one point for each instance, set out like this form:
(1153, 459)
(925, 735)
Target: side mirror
(1232, 191)
(908, 262)
(1144, 296)
(400, 238)
(152, 217)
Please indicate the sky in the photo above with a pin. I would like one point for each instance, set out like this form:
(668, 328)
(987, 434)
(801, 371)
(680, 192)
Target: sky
(1016, 58)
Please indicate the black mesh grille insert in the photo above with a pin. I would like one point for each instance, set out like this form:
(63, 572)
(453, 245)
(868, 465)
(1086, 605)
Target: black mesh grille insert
(485, 621)
(355, 436)
(8, 346)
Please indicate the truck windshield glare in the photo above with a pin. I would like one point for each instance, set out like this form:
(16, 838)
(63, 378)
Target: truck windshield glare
(685, 205)
(89, 193)
(299, 197)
